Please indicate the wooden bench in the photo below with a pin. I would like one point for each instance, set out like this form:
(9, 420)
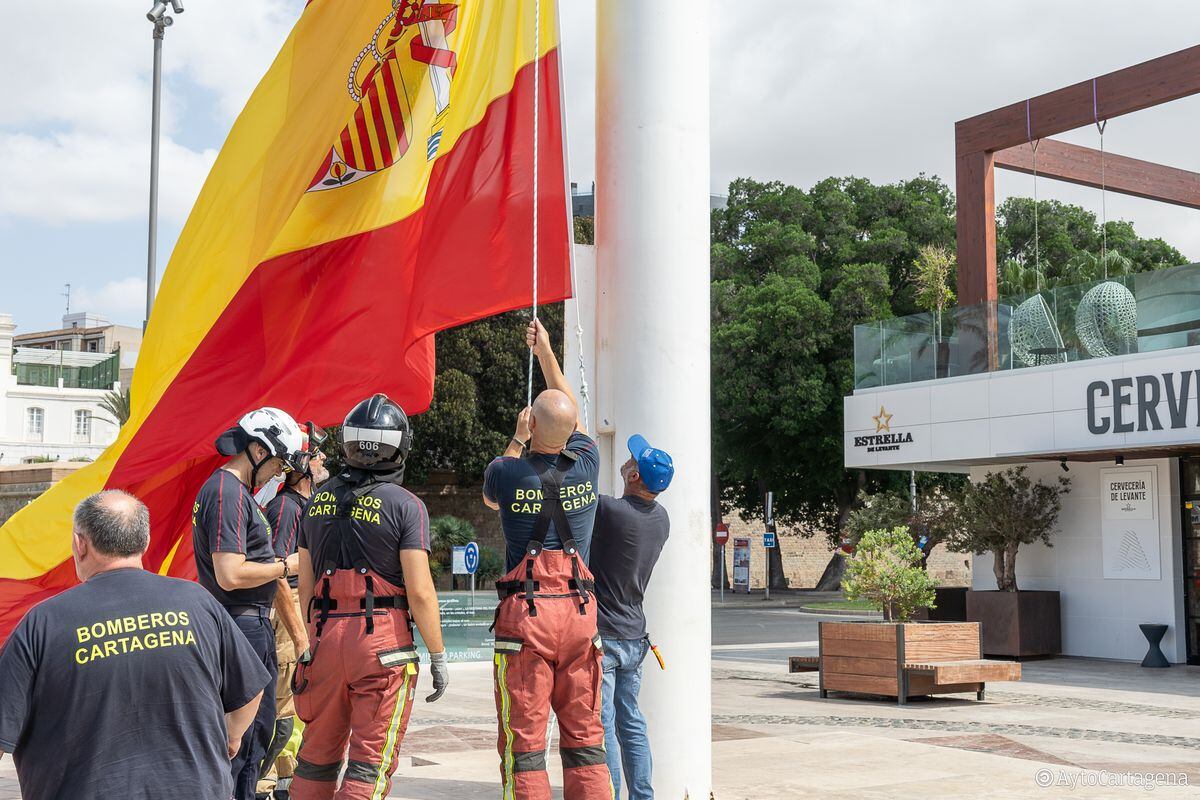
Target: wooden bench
(903, 660)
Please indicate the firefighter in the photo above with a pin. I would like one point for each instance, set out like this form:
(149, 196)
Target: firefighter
(364, 581)
(284, 512)
(235, 560)
(547, 650)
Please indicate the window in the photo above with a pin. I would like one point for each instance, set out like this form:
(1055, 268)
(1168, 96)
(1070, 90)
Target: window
(93, 346)
(35, 423)
(83, 425)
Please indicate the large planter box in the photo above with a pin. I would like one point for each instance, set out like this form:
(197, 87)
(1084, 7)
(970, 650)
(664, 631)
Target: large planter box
(951, 604)
(1017, 624)
(872, 657)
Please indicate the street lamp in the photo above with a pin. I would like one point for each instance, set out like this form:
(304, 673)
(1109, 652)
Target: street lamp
(157, 15)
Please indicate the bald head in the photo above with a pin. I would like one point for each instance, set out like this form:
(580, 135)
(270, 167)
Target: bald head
(115, 523)
(554, 420)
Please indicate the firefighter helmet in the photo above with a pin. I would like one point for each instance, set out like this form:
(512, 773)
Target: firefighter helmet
(376, 435)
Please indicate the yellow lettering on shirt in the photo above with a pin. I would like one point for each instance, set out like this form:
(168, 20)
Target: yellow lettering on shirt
(122, 636)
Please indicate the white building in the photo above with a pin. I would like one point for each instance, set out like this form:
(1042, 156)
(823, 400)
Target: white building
(50, 401)
(1126, 428)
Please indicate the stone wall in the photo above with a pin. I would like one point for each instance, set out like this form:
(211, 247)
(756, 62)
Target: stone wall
(19, 485)
(805, 558)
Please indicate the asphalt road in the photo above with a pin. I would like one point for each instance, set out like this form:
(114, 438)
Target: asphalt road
(767, 635)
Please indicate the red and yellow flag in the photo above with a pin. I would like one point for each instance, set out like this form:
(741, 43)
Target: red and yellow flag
(378, 187)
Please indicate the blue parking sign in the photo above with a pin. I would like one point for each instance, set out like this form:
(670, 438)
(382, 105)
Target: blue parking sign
(471, 557)
(769, 539)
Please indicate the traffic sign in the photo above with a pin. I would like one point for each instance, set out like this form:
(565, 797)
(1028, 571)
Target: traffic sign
(768, 539)
(471, 557)
(721, 534)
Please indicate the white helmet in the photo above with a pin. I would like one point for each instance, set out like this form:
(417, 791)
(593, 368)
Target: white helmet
(272, 428)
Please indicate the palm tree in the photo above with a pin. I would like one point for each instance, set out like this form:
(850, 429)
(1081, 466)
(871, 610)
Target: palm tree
(117, 404)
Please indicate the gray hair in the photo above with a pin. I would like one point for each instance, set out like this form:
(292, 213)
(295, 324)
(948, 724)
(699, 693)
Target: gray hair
(115, 522)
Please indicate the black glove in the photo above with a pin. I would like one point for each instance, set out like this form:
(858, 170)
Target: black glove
(439, 669)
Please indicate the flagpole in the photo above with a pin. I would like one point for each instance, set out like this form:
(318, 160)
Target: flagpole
(652, 253)
(157, 15)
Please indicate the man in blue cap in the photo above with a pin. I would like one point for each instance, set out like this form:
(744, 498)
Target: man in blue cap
(629, 535)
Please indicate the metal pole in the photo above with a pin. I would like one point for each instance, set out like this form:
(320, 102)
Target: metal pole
(652, 251)
(912, 488)
(472, 595)
(766, 550)
(722, 573)
(152, 246)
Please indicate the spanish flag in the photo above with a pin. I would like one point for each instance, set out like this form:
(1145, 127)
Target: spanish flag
(377, 188)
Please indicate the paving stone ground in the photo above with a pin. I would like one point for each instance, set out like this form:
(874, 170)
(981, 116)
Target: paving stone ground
(1073, 728)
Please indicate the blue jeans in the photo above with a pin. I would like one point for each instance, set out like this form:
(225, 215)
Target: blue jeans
(625, 738)
(257, 739)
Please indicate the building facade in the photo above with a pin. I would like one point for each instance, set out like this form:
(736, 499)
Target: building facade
(1098, 382)
(51, 400)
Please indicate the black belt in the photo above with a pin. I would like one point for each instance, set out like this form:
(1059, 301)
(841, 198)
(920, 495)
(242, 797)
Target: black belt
(248, 611)
(507, 589)
(390, 601)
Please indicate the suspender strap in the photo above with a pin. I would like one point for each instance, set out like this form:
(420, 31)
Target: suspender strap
(369, 602)
(552, 478)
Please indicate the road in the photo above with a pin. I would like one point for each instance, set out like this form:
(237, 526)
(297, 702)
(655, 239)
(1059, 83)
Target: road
(767, 635)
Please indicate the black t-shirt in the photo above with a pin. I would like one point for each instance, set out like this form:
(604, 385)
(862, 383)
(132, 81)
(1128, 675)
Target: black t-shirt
(119, 687)
(629, 536)
(284, 513)
(513, 483)
(226, 519)
(385, 520)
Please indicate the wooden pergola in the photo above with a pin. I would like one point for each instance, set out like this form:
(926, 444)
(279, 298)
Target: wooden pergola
(1003, 138)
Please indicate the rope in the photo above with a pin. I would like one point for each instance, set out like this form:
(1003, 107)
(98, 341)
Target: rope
(537, 99)
(537, 79)
(1037, 257)
(1100, 126)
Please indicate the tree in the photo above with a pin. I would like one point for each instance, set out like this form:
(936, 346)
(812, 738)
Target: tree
(932, 271)
(793, 272)
(1069, 246)
(117, 404)
(886, 570)
(936, 519)
(1004, 511)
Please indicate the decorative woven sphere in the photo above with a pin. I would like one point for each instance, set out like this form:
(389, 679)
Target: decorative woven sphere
(1106, 320)
(1031, 328)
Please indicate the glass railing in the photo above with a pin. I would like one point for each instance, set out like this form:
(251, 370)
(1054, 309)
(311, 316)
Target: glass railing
(101, 375)
(1139, 313)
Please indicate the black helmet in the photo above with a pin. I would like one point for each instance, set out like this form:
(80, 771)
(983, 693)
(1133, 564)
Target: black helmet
(376, 435)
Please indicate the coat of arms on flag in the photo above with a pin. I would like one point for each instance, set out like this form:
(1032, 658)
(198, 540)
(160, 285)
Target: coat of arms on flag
(409, 46)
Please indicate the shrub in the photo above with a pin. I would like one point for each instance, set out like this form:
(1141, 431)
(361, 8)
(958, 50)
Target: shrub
(886, 570)
(1004, 511)
(491, 565)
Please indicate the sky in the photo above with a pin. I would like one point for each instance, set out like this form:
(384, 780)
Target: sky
(801, 89)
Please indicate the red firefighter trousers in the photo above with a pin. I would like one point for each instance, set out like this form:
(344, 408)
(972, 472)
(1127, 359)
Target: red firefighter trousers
(359, 693)
(551, 660)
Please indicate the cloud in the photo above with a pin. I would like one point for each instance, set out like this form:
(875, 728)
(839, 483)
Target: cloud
(74, 125)
(91, 177)
(123, 301)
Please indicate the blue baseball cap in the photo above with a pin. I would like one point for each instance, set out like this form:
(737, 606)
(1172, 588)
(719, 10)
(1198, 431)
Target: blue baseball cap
(655, 466)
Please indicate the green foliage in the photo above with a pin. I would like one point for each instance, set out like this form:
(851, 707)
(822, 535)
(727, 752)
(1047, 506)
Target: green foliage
(934, 268)
(1070, 242)
(478, 392)
(886, 570)
(81, 459)
(1004, 511)
(445, 533)
(40, 460)
(793, 272)
(491, 565)
(938, 516)
(117, 405)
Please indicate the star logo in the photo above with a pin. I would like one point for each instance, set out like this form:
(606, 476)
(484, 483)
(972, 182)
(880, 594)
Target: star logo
(883, 420)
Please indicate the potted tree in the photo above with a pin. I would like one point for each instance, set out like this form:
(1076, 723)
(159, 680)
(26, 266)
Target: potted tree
(999, 514)
(878, 657)
(932, 273)
(936, 517)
